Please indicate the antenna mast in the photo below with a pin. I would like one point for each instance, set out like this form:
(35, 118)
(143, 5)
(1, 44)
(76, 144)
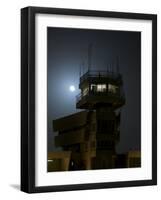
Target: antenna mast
(89, 56)
(117, 64)
(80, 70)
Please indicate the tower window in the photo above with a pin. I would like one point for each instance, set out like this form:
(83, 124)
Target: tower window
(93, 87)
(112, 88)
(85, 91)
(101, 87)
(98, 87)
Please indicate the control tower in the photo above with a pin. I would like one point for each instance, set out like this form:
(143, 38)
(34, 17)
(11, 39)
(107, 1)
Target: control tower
(90, 136)
(102, 93)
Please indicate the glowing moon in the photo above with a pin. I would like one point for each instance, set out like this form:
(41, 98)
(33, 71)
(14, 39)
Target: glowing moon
(72, 88)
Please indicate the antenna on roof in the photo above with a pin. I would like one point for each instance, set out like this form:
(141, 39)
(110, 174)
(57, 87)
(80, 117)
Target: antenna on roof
(108, 67)
(117, 64)
(111, 67)
(83, 66)
(80, 70)
(89, 56)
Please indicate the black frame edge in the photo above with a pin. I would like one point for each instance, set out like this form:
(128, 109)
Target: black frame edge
(154, 99)
(24, 100)
(92, 13)
(28, 99)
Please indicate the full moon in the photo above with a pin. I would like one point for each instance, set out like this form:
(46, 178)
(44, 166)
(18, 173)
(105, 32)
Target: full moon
(72, 88)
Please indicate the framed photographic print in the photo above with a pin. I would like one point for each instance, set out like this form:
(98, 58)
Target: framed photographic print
(88, 99)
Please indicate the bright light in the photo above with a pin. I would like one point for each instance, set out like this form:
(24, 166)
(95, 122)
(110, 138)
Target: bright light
(50, 160)
(72, 88)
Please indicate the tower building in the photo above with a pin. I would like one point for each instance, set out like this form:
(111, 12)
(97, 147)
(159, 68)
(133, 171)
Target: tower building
(91, 135)
(102, 93)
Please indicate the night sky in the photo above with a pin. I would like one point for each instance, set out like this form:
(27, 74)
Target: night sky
(68, 49)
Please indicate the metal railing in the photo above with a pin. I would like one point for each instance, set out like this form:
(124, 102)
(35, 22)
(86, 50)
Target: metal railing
(119, 94)
(97, 74)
